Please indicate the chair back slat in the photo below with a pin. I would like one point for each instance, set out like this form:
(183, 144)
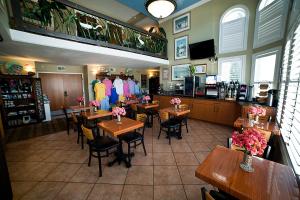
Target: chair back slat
(74, 117)
(163, 115)
(141, 117)
(87, 132)
(183, 106)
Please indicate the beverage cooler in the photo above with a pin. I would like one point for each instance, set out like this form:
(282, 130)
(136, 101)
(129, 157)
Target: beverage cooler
(190, 85)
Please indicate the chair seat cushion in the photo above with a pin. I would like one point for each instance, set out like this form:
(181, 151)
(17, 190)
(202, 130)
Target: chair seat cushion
(132, 136)
(103, 143)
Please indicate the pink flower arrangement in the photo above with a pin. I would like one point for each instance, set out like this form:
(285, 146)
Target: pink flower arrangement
(118, 111)
(251, 141)
(94, 103)
(257, 110)
(80, 99)
(175, 101)
(146, 98)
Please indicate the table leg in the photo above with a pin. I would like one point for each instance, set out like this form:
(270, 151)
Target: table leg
(120, 156)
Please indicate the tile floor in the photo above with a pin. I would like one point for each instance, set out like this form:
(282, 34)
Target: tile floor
(54, 167)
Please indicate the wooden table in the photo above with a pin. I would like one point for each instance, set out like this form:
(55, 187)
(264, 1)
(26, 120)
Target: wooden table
(176, 112)
(95, 115)
(80, 108)
(129, 102)
(147, 105)
(117, 129)
(270, 180)
(266, 128)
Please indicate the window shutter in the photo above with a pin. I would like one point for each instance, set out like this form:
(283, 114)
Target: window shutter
(233, 36)
(270, 23)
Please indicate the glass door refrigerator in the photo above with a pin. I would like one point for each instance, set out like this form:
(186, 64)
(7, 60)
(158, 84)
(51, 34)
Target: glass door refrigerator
(190, 85)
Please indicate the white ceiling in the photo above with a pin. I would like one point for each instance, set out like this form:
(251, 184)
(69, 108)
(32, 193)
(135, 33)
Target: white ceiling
(46, 49)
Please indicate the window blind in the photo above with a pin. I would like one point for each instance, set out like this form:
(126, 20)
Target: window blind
(270, 22)
(288, 114)
(233, 36)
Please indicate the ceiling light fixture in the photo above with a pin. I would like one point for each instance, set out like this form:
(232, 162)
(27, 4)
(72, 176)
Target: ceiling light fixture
(160, 8)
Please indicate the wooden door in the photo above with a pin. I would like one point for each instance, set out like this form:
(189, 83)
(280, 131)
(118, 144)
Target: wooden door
(61, 89)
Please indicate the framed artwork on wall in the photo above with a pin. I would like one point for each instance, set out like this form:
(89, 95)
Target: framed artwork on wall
(181, 23)
(179, 72)
(200, 69)
(165, 74)
(181, 48)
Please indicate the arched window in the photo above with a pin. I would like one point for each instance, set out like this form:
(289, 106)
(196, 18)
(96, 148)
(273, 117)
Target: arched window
(234, 30)
(270, 21)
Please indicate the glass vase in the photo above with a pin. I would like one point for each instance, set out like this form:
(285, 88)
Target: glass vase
(80, 104)
(176, 107)
(146, 101)
(256, 119)
(118, 118)
(246, 164)
(95, 108)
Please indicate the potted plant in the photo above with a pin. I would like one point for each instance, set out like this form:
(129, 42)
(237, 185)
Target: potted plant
(192, 69)
(256, 111)
(95, 105)
(252, 143)
(146, 99)
(118, 112)
(176, 102)
(80, 100)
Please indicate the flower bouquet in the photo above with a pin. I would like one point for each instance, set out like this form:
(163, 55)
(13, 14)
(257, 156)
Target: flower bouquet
(257, 111)
(146, 98)
(176, 102)
(95, 104)
(252, 143)
(80, 100)
(117, 111)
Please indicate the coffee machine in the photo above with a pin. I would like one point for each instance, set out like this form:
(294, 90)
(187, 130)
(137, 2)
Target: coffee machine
(242, 93)
(222, 89)
(211, 89)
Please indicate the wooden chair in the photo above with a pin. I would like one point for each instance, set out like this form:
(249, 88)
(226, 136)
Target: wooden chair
(67, 118)
(184, 118)
(99, 145)
(168, 126)
(215, 195)
(153, 112)
(135, 137)
(78, 121)
(134, 110)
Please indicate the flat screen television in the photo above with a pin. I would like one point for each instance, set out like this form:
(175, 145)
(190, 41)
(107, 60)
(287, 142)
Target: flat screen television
(201, 50)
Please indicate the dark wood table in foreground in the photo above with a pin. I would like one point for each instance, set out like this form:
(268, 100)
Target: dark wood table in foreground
(270, 180)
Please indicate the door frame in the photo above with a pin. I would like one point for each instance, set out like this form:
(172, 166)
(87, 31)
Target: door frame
(82, 78)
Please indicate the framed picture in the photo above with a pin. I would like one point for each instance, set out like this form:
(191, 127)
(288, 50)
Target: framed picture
(181, 47)
(180, 71)
(181, 23)
(165, 74)
(200, 69)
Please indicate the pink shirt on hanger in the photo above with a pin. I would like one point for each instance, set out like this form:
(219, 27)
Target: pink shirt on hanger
(108, 85)
(126, 89)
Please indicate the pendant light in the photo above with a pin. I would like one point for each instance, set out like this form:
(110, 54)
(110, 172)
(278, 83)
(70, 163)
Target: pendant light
(160, 8)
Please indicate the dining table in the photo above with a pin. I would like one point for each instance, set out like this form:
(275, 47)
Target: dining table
(117, 129)
(270, 180)
(176, 112)
(80, 108)
(266, 128)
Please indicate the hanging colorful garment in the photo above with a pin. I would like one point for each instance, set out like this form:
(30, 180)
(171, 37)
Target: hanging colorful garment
(105, 103)
(108, 85)
(137, 89)
(131, 84)
(126, 91)
(99, 91)
(118, 84)
(114, 96)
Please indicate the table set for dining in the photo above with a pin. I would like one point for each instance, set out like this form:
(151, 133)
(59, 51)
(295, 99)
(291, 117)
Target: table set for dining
(117, 129)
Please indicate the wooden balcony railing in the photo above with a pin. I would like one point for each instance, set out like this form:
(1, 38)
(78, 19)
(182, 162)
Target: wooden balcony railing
(66, 20)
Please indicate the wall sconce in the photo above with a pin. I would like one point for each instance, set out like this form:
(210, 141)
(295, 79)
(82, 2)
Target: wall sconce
(28, 68)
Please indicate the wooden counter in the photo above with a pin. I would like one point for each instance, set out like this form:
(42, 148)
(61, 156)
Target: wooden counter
(210, 110)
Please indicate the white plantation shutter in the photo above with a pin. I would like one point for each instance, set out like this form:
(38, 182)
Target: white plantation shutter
(232, 68)
(288, 114)
(270, 22)
(233, 36)
(233, 30)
